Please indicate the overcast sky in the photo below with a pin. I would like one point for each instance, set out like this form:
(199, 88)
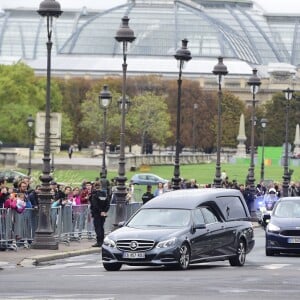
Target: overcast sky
(283, 6)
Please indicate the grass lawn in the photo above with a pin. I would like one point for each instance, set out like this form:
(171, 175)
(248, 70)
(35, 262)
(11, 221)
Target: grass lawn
(203, 173)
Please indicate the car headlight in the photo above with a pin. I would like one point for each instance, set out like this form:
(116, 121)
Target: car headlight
(273, 228)
(167, 243)
(109, 242)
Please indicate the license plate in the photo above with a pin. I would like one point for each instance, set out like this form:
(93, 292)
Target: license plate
(134, 255)
(294, 240)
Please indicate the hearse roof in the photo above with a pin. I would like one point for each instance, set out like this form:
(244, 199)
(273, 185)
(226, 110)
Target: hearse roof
(189, 198)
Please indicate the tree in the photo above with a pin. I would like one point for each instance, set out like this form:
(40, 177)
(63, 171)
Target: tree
(232, 108)
(149, 118)
(276, 115)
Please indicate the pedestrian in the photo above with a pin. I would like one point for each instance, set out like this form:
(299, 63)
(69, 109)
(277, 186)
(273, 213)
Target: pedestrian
(159, 190)
(70, 151)
(148, 195)
(99, 207)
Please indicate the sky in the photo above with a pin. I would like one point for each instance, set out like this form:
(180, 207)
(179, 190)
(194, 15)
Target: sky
(273, 6)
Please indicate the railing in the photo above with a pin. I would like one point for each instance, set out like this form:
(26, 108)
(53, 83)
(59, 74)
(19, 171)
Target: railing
(69, 223)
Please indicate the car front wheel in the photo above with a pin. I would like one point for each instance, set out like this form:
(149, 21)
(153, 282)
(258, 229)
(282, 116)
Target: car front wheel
(112, 266)
(240, 257)
(184, 257)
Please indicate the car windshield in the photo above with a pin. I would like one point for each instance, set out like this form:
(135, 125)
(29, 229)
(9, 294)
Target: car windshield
(288, 209)
(161, 217)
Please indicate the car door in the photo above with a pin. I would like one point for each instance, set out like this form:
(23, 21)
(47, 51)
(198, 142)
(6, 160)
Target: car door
(200, 244)
(215, 229)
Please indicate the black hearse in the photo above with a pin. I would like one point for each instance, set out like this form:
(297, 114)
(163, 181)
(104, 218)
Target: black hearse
(183, 227)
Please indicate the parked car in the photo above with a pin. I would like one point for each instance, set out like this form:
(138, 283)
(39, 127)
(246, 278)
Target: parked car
(283, 230)
(11, 175)
(147, 179)
(183, 227)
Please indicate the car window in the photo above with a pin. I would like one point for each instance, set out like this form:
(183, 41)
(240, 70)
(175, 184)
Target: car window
(209, 215)
(164, 217)
(198, 216)
(232, 207)
(288, 209)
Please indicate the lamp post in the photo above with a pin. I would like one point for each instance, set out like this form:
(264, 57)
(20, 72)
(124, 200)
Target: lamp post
(182, 56)
(104, 102)
(288, 93)
(30, 123)
(44, 238)
(254, 83)
(194, 126)
(220, 70)
(263, 123)
(124, 35)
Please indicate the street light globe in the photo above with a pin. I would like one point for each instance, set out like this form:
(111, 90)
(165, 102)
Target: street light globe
(288, 94)
(263, 123)
(125, 34)
(105, 97)
(254, 82)
(49, 8)
(182, 54)
(30, 121)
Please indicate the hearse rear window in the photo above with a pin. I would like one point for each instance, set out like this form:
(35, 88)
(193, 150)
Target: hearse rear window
(232, 208)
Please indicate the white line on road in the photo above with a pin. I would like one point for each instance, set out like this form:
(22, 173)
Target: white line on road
(274, 266)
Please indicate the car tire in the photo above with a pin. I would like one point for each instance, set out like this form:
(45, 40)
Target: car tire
(270, 252)
(184, 256)
(112, 266)
(239, 259)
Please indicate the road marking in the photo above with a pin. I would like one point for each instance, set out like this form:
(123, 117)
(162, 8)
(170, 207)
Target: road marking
(63, 266)
(275, 266)
(92, 267)
(83, 275)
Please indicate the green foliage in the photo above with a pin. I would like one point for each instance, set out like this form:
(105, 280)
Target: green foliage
(276, 115)
(232, 108)
(149, 117)
(21, 94)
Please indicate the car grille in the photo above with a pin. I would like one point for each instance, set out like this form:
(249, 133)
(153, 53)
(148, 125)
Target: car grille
(290, 232)
(135, 245)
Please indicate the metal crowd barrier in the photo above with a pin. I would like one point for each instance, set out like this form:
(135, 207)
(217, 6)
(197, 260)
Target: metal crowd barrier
(69, 223)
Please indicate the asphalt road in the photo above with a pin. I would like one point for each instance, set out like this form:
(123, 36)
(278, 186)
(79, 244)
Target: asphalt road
(83, 277)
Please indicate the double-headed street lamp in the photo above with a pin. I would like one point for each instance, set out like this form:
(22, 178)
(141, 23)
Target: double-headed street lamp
(254, 83)
(124, 35)
(44, 237)
(263, 123)
(30, 123)
(104, 102)
(220, 70)
(182, 56)
(288, 93)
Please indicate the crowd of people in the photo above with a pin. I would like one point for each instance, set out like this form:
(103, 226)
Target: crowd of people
(101, 193)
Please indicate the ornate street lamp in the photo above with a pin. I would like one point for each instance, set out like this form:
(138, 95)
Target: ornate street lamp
(220, 70)
(263, 123)
(288, 93)
(124, 35)
(194, 126)
(104, 102)
(44, 237)
(254, 83)
(30, 123)
(182, 56)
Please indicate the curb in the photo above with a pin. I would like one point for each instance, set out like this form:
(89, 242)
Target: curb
(36, 260)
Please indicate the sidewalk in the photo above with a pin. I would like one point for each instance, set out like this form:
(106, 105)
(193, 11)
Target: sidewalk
(26, 257)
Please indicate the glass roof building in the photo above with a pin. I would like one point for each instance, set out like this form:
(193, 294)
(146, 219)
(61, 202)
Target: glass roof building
(83, 40)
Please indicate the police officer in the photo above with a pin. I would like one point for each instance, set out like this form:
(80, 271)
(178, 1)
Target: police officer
(100, 203)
